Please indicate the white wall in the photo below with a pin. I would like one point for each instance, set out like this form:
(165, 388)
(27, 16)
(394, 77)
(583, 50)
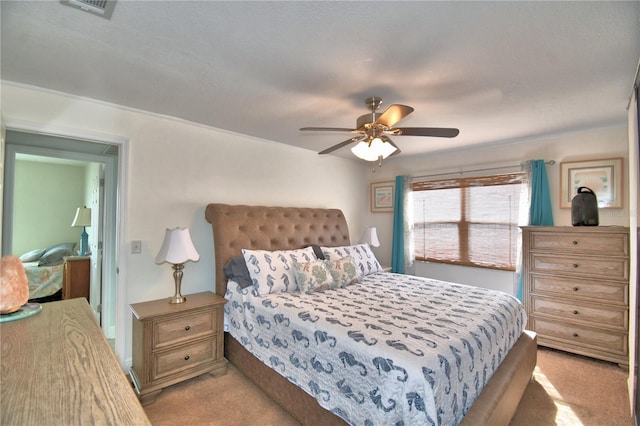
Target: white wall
(587, 145)
(176, 168)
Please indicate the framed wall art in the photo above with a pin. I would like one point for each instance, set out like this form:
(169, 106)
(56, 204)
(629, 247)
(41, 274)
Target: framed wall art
(382, 196)
(603, 177)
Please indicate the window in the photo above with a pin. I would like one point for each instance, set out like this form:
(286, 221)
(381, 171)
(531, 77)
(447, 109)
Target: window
(468, 221)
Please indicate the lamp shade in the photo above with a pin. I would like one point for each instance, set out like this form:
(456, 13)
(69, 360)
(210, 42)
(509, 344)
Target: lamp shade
(177, 247)
(83, 217)
(370, 236)
(371, 152)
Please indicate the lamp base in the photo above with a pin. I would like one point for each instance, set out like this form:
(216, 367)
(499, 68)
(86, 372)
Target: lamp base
(178, 299)
(84, 242)
(177, 277)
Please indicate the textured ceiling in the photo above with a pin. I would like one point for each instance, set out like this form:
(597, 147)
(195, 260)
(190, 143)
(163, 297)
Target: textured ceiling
(498, 71)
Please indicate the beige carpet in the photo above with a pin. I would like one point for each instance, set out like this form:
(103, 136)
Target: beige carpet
(567, 390)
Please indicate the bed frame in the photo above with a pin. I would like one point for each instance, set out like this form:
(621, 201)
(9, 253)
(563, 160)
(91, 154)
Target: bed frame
(280, 228)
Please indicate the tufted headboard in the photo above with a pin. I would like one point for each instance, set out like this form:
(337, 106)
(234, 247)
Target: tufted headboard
(270, 228)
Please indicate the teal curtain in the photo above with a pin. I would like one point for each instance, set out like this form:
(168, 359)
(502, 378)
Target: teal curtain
(397, 248)
(540, 211)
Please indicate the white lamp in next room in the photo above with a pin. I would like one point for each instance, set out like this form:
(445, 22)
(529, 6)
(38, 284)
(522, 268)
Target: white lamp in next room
(177, 249)
(83, 218)
(370, 236)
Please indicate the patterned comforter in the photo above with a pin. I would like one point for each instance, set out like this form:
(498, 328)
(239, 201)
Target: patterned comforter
(391, 350)
(43, 280)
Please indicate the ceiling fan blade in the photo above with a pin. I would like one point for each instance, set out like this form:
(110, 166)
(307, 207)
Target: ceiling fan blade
(327, 129)
(437, 132)
(386, 138)
(393, 114)
(341, 144)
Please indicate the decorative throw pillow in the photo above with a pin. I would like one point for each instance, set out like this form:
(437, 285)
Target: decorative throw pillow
(344, 271)
(236, 270)
(272, 271)
(363, 256)
(313, 276)
(317, 250)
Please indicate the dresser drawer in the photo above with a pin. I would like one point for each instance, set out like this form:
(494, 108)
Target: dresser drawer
(603, 316)
(603, 291)
(181, 328)
(608, 244)
(184, 357)
(575, 335)
(607, 268)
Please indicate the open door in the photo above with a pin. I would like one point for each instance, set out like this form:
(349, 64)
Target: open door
(634, 191)
(3, 134)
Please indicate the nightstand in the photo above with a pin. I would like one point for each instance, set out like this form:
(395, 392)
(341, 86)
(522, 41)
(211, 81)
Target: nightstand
(176, 342)
(76, 278)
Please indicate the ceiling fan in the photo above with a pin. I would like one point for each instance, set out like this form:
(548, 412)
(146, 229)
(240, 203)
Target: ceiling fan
(373, 129)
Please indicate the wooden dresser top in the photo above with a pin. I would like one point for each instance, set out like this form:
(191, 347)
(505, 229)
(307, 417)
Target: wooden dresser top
(56, 367)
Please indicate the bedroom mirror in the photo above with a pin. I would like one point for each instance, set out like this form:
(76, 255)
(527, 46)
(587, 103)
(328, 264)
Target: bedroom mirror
(46, 179)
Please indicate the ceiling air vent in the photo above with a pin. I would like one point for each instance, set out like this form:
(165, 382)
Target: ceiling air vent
(103, 8)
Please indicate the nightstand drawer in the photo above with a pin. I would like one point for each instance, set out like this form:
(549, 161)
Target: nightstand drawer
(608, 268)
(603, 316)
(184, 357)
(185, 327)
(610, 244)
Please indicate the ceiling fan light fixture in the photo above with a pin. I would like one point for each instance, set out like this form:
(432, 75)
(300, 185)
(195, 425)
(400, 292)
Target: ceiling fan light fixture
(374, 150)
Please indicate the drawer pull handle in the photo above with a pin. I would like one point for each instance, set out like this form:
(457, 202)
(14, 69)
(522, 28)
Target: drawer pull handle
(575, 265)
(575, 243)
(575, 312)
(186, 358)
(187, 328)
(575, 334)
(576, 289)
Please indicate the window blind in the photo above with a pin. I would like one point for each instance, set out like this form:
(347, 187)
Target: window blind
(468, 221)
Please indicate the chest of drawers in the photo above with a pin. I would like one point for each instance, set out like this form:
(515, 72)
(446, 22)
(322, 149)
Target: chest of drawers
(575, 289)
(175, 342)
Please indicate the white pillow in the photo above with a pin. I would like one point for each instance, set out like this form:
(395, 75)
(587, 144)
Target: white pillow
(32, 256)
(272, 271)
(361, 253)
(313, 276)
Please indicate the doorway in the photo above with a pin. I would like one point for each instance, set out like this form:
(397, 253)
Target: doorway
(102, 161)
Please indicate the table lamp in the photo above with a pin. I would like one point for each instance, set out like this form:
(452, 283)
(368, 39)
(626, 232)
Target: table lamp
(177, 249)
(83, 218)
(370, 236)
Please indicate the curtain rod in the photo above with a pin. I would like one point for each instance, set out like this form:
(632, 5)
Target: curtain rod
(550, 162)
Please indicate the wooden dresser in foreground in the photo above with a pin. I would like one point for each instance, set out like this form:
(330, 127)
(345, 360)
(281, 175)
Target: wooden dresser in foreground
(175, 342)
(58, 369)
(575, 289)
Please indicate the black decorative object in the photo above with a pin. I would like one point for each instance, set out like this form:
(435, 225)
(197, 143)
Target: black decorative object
(584, 208)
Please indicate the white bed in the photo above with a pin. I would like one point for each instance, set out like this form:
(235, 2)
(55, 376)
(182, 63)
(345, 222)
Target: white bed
(44, 281)
(392, 349)
(365, 366)
(45, 271)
